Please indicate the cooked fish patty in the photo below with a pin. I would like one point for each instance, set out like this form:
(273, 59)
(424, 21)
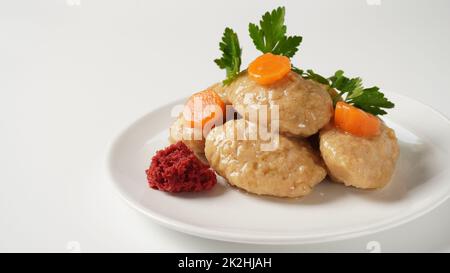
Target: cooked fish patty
(366, 163)
(304, 105)
(291, 170)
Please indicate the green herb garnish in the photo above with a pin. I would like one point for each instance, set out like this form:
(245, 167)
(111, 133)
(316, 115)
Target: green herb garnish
(270, 35)
(231, 55)
(351, 91)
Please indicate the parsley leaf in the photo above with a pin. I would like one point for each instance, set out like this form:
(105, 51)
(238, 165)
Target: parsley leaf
(231, 55)
(298, 71)
(353, 87)
(270, 35)
(351, 91)
(311, 75)
(371, 100)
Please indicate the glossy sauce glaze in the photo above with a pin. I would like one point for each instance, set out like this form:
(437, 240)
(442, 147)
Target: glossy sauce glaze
(304, 105)
(361, 162)
(290, 170)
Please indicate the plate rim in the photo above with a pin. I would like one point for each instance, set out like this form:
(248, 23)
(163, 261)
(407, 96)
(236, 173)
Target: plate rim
(230, 236)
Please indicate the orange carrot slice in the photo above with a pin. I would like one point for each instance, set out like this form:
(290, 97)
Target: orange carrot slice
(202, 108)
(355, 120)
(269, 68)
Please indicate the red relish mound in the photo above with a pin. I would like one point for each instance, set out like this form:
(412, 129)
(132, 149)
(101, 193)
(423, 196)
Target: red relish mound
(177, 169)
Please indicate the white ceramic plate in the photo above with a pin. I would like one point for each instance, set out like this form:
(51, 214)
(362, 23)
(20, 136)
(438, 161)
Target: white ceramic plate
(331, 212)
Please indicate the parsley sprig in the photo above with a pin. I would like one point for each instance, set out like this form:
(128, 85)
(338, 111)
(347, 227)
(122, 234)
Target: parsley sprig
(351, 91)
(231, 55)
(270, 35)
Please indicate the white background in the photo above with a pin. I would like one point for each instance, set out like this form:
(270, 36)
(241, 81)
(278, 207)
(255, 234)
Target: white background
(74, 73)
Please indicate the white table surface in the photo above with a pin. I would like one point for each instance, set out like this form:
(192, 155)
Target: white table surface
(74, 73)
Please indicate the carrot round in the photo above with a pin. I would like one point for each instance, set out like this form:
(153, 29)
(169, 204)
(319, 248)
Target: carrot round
(269, 68)
(355, 120)
(202, 108)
